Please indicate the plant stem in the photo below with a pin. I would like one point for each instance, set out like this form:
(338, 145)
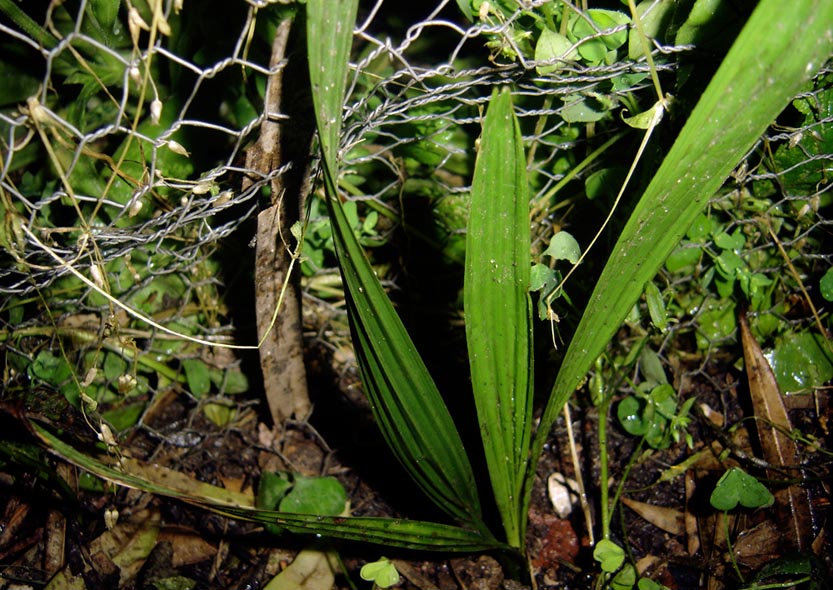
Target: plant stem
(585, 506)
(646, 47)
(25, 22)
(540, 201)
(788, 584)
(729, 548)
(604, 408)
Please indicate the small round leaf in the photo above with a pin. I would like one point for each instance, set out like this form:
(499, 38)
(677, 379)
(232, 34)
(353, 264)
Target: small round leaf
(564, 246)
(609, 555)
(382, 573)
(826, 285)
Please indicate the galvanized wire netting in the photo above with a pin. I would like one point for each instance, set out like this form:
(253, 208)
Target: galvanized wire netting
(444, 94)
(124, 138)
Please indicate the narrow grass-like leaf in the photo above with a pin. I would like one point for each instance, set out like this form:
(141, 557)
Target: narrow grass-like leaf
(498, 308)
(329, 37)
(406, 534)
(393, 532)
(405, 401)
(775, 54)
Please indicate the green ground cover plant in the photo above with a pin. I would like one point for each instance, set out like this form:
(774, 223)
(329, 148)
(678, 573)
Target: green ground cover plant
(674, 228)
(498, 308)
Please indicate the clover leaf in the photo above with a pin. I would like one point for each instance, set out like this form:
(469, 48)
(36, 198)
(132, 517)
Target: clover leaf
(381, 572)
(609, 555)
(738, 487)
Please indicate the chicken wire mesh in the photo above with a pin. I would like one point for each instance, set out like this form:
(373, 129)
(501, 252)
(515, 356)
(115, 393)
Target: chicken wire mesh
(125, 128)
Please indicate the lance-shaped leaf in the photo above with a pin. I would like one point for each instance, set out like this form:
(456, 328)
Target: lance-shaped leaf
(775, 54)
(498, 308)
(405, 401)
(329, 37)
(407, 534)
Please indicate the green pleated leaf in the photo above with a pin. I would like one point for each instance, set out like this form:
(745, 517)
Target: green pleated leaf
(498, 308)
(385, 531)
(406, 534)
(329, 37)
(405, 401)
(776, 53)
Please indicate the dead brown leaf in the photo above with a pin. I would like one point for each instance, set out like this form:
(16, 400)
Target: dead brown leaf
(187, 485)
(188, 546)
(759, 545)
(129, 543)
(669, 520)
(792, 503)
(414, 575)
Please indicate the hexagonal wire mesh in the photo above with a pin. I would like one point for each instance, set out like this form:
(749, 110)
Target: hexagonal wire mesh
(125, 130)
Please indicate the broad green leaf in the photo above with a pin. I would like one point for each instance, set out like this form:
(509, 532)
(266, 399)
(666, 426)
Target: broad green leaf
(756, 80)
(826, 285)
(595, 48)
(498, 308)
(552, 45)
(105, 12)
(803, 162)
(406, 534)
(583, 109)
(801, 362)
(651, 367)
(656, 306)
(315, 495)
(732, 242)
(271, 489)
(465, 8)
(405, 401)
(645, 119)
(220, 412)
(114, 366)
(703, 15)
(56, 371)
(789, 565)
(683, 258)
(564, 246)
(604, 183)
(124, 416)
(716, 323)
(540, 276)
(402, 533)
(230, 381)
(18, 83)
(608, 20)
(624, 579)
(655, 16)
(738, 487)
(630, 412)
(198, 377)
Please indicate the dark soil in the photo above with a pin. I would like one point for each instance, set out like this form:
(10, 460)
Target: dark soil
(48, 534)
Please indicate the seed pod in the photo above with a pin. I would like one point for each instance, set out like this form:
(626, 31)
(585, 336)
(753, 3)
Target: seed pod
(177, 148)
(155, 111)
